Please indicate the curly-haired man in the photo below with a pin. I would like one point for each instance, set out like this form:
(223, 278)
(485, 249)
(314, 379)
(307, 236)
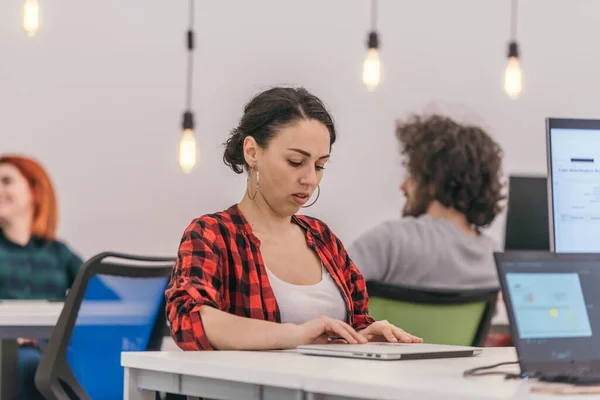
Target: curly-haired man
(453, 189)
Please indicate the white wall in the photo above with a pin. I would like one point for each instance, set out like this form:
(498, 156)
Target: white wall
(97, 96)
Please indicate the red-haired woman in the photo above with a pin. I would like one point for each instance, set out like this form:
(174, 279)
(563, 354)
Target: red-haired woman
(33, 264)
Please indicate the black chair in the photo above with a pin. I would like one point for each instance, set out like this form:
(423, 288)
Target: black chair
(116, 304)
(458, 317)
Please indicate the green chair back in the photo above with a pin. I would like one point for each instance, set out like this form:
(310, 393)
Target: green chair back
(438, 316)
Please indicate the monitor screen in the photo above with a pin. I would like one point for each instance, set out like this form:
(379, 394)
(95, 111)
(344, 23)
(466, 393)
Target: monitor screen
(527, 214)
(574, 169)
(554, 304)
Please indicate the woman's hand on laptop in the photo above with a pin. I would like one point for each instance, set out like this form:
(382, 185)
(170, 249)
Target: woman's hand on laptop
(320, 330)
(383, 331)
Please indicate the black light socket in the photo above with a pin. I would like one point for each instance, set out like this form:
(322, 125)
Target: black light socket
(188, 120)
(190, 40)
(373, 41)
(513, 50)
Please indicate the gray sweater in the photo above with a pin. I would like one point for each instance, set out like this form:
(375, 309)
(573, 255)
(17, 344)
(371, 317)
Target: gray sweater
(425, 252)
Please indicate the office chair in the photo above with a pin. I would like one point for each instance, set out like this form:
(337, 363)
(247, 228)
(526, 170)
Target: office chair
(116, 304)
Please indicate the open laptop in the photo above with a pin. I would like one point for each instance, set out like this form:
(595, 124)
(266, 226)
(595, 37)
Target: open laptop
(553, 306)
(389, 351)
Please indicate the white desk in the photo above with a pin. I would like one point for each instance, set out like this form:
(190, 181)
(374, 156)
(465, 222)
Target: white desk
(287, 375)
(27, 319)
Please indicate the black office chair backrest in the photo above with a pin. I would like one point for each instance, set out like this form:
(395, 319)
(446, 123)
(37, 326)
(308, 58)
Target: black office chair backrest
(441, 316)
(116, 304)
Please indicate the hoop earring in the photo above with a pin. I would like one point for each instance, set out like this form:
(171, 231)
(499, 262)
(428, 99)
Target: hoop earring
(318, 194)
(248, 184)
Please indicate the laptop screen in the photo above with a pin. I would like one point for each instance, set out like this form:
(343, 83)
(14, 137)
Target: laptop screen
(553, 304)
(573, 152)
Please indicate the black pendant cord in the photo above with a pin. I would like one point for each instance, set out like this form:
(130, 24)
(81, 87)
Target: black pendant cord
(188, 115)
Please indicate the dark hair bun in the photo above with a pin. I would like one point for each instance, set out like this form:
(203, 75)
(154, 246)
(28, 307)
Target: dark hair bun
(234, 151)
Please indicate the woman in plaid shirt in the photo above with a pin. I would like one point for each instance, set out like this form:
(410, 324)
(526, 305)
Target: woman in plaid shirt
(257, 276)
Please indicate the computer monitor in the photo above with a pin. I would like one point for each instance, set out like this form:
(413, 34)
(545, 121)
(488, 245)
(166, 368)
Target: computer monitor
(527, 214)
(573, 153)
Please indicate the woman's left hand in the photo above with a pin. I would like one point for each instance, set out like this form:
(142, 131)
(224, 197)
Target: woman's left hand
(383, 331)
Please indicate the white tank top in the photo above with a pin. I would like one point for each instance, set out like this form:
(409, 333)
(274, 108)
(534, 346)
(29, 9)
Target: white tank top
(301, 303)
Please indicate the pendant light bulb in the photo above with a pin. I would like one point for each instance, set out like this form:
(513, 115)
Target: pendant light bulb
(513, 77)
(31, 17)
(371, 76)
(188, 149)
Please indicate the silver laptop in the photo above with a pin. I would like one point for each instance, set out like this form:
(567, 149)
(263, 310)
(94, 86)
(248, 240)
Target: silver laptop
(389, 351)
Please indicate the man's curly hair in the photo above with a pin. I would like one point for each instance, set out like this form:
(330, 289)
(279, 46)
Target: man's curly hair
(458, 165)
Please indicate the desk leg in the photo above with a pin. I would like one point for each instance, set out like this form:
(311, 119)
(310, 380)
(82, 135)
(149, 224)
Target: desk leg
(9, 369)
(132, 390)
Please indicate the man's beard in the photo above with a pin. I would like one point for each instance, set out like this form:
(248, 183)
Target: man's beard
(417, 203)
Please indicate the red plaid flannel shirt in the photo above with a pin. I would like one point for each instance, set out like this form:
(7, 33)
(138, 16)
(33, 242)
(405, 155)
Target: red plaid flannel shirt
(219, 265)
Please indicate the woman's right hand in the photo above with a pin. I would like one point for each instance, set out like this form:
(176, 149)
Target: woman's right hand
(319, 330)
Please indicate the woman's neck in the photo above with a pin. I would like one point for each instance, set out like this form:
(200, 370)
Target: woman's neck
(261, 217)
(18, 232)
